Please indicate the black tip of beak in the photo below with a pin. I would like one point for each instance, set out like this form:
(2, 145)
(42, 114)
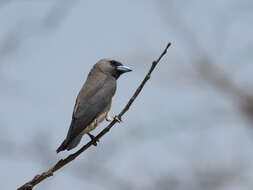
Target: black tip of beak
(123, 69)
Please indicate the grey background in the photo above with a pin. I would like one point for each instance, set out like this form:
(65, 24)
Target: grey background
(191, 127)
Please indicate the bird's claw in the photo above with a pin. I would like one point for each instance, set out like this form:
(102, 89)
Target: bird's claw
(111, 118)
(92, 138)
(117, 118)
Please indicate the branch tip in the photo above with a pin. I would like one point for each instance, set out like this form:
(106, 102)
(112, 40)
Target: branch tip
(168, 45)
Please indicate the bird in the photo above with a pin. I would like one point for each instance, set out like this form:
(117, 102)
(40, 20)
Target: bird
(93, 101)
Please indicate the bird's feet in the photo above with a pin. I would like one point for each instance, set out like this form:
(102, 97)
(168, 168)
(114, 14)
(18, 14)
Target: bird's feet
(111, 118)
(92, 137)
(117, 118)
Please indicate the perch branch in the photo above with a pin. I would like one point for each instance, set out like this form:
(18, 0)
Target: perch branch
(39, 178)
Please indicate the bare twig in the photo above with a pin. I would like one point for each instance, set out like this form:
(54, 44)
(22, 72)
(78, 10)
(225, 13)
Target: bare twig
(38, 178)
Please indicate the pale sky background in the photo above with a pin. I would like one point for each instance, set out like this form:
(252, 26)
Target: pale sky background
(183, 131)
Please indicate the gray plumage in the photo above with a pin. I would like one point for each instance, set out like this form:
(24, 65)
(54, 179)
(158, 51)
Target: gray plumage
(93, 101)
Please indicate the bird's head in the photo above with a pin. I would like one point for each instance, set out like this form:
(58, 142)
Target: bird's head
(112, 67)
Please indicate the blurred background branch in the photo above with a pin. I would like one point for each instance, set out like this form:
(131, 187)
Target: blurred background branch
(203, 141)
(25, 29)
(202, 59)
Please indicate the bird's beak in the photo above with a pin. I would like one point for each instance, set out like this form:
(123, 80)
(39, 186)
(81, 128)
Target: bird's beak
(123, 69)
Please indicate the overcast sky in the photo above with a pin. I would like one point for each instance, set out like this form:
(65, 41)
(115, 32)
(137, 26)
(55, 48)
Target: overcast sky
(181, 133)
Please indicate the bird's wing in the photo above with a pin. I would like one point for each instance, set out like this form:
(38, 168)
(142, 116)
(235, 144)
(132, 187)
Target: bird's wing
(90, 105)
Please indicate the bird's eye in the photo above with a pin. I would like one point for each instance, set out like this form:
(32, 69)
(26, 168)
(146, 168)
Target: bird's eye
(115, 63)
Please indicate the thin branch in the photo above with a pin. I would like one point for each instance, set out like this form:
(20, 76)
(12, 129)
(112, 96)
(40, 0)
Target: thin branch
(38, 178)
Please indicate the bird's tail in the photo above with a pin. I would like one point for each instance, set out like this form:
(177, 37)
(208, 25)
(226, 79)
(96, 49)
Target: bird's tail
(62, 146)
(68, 145)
